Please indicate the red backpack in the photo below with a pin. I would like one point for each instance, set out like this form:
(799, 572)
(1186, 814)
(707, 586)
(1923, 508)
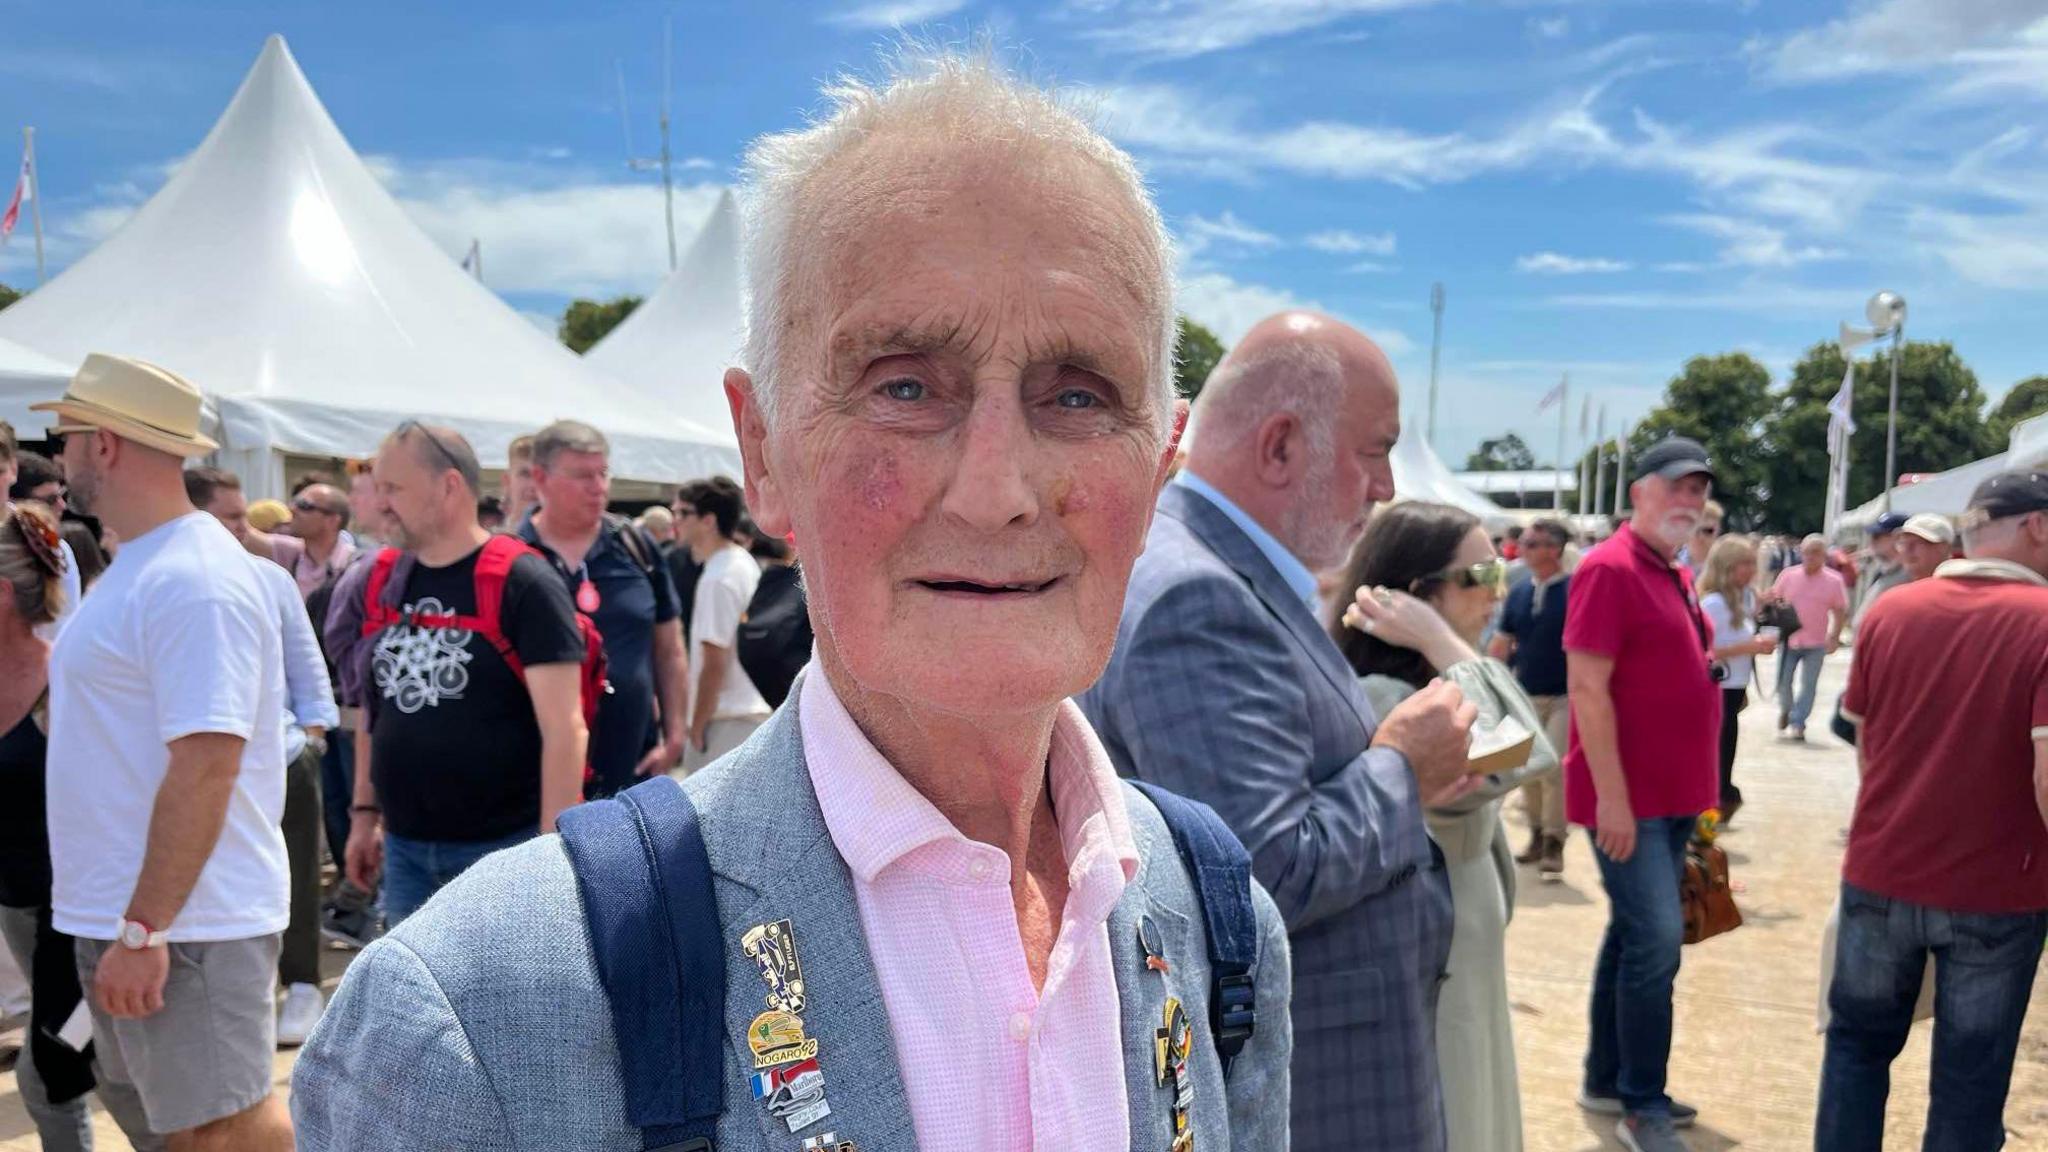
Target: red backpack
(382, 608)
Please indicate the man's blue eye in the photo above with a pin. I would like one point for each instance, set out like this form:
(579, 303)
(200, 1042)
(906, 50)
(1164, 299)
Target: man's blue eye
(1076, 398)
(904, 389)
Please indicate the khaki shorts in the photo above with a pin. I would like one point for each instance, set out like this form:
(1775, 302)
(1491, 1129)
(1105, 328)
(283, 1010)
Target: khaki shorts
(207, 1054)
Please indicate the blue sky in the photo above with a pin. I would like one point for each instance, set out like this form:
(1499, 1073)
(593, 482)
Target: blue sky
(1604, 187)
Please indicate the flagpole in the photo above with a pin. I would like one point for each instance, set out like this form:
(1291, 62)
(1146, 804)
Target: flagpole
(1564, 405)
(35, 199)
(1620, 473)
(1436, 341)
(1600, 463)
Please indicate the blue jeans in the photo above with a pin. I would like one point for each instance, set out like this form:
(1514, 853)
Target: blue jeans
(1806, 663)
(416, 869)
(338, 792)
(1983, 972)
(1631, 1034)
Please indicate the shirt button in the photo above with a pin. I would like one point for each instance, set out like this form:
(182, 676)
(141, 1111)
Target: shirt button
(1020, 1025)
(978, 868)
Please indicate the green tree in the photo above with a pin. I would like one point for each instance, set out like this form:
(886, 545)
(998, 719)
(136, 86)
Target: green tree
(585, 322)
(1501, 454)
(1196, 351)
(2028, 398)
(8, 295)
(1941, 426)
(1720, 401)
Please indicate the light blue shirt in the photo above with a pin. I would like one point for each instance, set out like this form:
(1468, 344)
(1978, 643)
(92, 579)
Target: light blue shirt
(1293, 571)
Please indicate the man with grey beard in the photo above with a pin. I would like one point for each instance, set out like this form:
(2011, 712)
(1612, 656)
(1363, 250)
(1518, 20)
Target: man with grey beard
(1643, 764)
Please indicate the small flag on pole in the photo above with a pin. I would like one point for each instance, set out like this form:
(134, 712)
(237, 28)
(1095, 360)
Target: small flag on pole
(1551, 397)
(24, 190)
(473, 260)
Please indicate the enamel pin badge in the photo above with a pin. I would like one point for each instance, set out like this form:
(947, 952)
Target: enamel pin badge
(788, 1078)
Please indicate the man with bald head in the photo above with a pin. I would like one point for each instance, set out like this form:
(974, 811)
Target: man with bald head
(1226, 688)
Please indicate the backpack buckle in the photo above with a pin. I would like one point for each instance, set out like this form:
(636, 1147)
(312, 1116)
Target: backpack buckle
(1232, 1015)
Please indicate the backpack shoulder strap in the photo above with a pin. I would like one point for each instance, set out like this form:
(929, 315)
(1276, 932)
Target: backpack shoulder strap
(645, 879)
(638, 546)
(378, 605)
(1222, 873)
(493, 568)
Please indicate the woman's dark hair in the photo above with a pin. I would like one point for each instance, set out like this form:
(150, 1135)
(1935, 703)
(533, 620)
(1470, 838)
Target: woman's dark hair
(1405, 547)
(85, 547)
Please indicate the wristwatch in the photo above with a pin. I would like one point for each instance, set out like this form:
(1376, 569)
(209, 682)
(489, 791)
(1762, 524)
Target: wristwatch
(136, 936)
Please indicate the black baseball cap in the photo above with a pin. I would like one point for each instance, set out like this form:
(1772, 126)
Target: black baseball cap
(2009, 494)
(1674, 458)
(1888, 523)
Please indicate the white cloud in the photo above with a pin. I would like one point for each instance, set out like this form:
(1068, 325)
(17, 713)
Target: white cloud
(2007, 251)
(1898, 35)
(1773, 298)
(1177, 29)
(1229, 308)
(1370, 266)
(1351, 243)
(1554, 264)
(889, 14)
(697, 163)
(1550, 28)
(1749, 244)
(1197, 233)
(546, 231)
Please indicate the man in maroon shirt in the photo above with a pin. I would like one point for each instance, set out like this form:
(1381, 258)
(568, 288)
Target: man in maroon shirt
(1643, 764)
(1948, 854)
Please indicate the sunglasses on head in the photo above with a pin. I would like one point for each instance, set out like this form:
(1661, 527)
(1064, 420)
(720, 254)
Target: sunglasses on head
(1491, 575)
(303, 504)
(440, 449)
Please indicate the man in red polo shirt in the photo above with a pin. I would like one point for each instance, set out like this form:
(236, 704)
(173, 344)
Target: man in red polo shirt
(1643, 764)
(1948, 853)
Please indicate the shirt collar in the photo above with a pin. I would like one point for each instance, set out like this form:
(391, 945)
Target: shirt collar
(1989, 570)
(1298, 577)
(876, 818)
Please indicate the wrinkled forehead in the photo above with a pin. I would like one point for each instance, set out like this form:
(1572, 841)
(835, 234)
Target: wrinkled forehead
(923, 233)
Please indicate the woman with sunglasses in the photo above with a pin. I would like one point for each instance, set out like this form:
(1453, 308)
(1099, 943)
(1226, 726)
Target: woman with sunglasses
(54, 1077)
(1428, 581)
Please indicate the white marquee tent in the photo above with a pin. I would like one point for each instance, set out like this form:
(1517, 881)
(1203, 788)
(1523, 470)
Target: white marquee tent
(679, 342)
(1420, 474)
(27, 376)
(1948, 493)
(277, 274)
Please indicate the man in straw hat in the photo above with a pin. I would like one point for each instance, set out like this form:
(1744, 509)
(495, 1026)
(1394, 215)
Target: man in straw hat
(165, 693)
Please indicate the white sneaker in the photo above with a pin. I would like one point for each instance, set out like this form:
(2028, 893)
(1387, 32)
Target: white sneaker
(301, 1011)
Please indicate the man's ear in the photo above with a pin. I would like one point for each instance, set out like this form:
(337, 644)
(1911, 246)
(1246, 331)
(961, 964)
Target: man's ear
(764, 494)
(1283, 450)
(1173, 439)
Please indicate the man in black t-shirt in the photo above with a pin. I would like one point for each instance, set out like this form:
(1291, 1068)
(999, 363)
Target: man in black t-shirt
(465, 754)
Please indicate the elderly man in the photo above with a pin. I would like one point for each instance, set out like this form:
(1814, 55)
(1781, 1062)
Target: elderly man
(616, 577)
(1643, 764)
(1225, 687)
(970, 935)
(1821, 597)
(1884, 570)
(1950, 831)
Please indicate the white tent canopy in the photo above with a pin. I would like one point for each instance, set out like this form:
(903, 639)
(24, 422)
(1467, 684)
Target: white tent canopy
(1948, 493)
(275, 273)
(679, 342)
(1419, 474)
(27, 376)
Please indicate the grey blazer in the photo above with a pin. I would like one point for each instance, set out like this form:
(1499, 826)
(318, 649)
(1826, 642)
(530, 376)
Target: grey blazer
(1225, 688)
(479, 1023)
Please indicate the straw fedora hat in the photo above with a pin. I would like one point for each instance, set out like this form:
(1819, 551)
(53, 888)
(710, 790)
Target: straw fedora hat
(152, 406)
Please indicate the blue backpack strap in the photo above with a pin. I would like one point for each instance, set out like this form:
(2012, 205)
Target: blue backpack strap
(1222, 871)
(646, 884)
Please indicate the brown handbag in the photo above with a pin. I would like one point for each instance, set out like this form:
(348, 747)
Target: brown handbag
(1703, 892)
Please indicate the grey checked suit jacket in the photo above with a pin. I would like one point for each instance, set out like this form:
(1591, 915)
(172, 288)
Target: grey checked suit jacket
(1225, 688)
(480, 1023)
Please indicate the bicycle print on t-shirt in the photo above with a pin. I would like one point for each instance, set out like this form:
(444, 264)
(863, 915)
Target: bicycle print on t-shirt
(418, 667)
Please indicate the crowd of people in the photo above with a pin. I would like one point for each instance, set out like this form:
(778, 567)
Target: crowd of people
(1094, 776)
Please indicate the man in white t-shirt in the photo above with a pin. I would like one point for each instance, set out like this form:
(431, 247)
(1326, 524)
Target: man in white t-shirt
(166, 692)
(725, 707)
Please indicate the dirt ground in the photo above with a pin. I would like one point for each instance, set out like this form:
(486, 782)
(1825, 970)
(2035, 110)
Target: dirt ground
(1746, 1053)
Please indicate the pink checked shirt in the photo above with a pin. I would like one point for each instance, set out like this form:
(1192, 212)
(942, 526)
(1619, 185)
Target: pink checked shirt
(989, 1062)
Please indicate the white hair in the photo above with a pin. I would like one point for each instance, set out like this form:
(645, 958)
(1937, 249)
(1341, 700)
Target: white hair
(1814, 540)
(1302, 379)
(961, 97)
